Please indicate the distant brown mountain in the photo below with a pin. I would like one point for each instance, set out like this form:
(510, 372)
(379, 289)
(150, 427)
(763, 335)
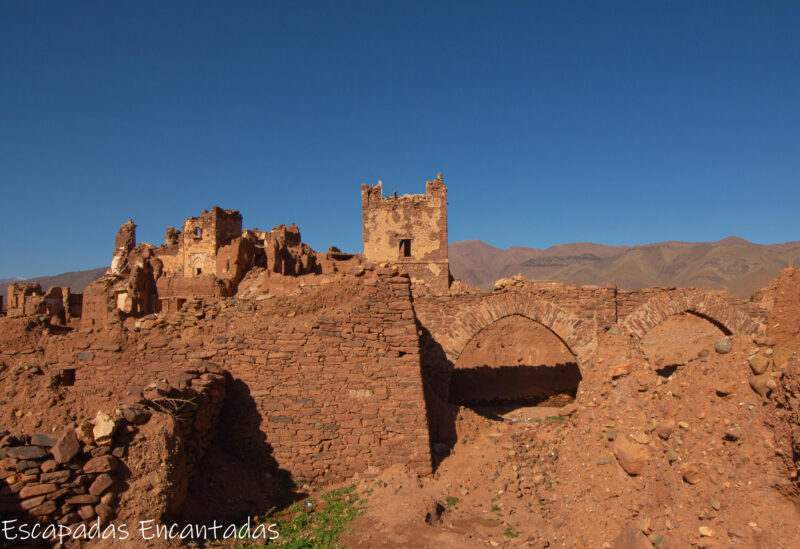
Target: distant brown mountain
(732, 264)
(76, 281)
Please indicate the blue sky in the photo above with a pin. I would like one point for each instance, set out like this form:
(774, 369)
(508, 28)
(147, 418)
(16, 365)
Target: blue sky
(552, 122)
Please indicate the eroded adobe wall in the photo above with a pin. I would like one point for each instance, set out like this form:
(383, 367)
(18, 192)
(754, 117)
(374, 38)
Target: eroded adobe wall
(25, 298)
(783, 296)
(203, 236)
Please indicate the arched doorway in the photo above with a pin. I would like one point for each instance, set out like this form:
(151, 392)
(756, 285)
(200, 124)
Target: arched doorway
(514, 362)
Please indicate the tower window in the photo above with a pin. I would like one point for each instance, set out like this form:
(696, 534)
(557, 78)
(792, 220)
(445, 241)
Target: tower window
(405, 247)
(198, 271)
(197, 232)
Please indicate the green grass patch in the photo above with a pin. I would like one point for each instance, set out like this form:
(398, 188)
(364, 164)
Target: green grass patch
(509, 533)
(450, 501)
(315, 522)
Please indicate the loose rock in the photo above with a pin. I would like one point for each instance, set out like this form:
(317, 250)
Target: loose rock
(723, 346)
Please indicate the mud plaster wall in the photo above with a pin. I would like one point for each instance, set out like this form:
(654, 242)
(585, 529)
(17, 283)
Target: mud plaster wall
(421, 218)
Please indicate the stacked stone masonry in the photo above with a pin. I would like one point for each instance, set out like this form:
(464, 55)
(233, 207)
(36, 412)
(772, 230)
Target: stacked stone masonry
(335, 394)
(76, 476)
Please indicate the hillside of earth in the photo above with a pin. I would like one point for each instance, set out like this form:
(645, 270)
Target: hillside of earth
(686, 438)
(732, 264)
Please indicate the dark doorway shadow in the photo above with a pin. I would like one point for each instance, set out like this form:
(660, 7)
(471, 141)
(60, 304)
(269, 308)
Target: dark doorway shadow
(488, 390)
(519, 384)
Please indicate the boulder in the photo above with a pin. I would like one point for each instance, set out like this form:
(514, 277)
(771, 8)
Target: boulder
(568, 410)
(690, 473)
(101, 464)
(44, 440)
(621, 369)
(136, 414)
(105, 512)
(763, 384)
(632, 538)
(102, 483)
(665, 428)
(781, 355)
(725, 388)
(26, 452)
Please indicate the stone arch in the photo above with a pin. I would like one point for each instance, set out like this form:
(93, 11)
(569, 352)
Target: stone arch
(576, 334)
(731, 314)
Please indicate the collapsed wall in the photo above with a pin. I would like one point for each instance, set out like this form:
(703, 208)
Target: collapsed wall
(89, 471)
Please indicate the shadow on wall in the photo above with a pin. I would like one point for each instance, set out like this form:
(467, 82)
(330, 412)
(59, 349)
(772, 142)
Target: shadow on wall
(436, 372)
(239, 477)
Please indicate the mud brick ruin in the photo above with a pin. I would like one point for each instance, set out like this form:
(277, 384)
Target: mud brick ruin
(317, 365)
(59, 304)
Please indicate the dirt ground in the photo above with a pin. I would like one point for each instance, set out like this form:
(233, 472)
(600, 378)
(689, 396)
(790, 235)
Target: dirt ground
(668, 446)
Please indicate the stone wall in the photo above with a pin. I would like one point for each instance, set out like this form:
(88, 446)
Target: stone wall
(79, 474)
(338, 395)
(640, 310)
(576, 314)
(326, 382)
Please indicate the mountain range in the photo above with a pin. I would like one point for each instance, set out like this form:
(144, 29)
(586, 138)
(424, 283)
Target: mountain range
(732, 264)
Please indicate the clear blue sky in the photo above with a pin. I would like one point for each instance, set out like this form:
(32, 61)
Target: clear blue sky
(552, 122)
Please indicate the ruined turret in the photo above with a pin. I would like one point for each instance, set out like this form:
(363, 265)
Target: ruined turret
(409, 231)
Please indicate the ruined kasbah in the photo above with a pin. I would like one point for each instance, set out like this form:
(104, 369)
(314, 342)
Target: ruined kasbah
(230, 371)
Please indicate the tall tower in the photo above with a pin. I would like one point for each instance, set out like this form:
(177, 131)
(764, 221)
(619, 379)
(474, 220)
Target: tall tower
(410, 231)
